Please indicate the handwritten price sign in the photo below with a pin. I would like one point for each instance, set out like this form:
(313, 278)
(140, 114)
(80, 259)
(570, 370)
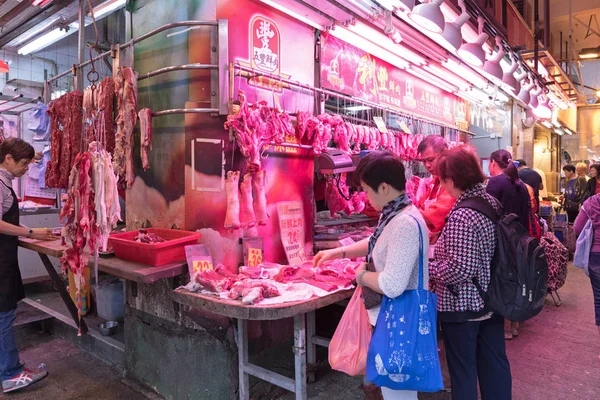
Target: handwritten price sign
(291, 227)
(201, 265)
(255, 257)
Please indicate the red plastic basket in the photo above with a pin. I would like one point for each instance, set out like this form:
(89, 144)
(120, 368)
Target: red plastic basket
(172, 250)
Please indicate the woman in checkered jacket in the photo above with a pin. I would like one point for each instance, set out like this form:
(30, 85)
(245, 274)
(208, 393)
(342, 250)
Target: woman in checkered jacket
(474, 337)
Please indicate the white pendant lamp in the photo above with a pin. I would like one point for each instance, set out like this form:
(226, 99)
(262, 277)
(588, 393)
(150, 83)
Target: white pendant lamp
(543, 110)
(512, 82)
(452, 34)
(429, 16)
(534, 101)
(473, 53)
(493, 67)
(397, 5)
(524, 94)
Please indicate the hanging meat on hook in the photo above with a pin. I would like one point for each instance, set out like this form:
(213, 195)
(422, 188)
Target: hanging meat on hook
(145, 115)
(247, 216)
(126, 92)
(232, 216)
(260, 201)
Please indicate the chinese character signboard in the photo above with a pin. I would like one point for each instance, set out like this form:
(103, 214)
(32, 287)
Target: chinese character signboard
(352, 71)
(291, 228)
(265, 45)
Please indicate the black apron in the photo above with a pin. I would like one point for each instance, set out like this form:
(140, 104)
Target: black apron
(11, 284)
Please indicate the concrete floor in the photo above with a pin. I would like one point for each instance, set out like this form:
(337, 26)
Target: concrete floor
(555, 357)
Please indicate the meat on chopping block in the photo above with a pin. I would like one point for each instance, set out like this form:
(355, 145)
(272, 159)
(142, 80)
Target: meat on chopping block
(145, 115)
(232, 216)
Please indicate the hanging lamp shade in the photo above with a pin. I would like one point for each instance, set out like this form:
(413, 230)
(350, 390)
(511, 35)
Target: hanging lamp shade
(493, 67)
(473, 53)
(512, 82)
(4, 67)
(405, 5)
(524, 94)
(534, 101)
(429, 16)
(452, 33)
(543, 110)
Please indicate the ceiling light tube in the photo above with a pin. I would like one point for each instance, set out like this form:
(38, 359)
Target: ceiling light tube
(427, 77)
(108, 7)
(378, 38)
(429, 16)
(401, 5)
(448, 76)
(466, 72)
(365, 6)
(534, 101)
(452, 35)
(294, 15)
(47, 39)
(365, 45)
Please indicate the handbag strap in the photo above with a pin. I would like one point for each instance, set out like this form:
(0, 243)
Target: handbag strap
(421, 255)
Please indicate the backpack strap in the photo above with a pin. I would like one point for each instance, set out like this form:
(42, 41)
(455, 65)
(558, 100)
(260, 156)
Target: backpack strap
(482, 206)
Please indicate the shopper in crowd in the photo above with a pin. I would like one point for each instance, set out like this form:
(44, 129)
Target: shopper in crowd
(593, 185)
(15, 157)
(582, 170)
(512, 193)
(591, 210)
(394, 246)
(473, 337)
(531, 178)
(436, 203)
(574, 192)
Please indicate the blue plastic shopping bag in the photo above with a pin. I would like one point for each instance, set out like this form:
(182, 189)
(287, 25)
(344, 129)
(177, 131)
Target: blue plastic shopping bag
(581, 258)
(403, 353)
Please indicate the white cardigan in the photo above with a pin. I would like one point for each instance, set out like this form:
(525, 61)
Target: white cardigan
(396, 256)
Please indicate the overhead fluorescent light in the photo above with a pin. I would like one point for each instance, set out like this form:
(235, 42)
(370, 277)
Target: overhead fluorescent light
(46, 40)
(432, 79)
(589, 53)
(108, 7)
(357, 108)
(547, 124)
(57, 34)
(35, 32)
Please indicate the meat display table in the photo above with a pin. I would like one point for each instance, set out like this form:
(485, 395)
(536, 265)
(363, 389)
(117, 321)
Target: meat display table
(305, 340)
(138, 273)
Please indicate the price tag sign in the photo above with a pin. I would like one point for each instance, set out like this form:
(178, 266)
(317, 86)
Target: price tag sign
(255, 257)
(404, 127)
(291, 228)
(380, 124)
(202, 264)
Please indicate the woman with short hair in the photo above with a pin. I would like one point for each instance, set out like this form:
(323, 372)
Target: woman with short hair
(394, 246)
(593, 185)
(473, 336)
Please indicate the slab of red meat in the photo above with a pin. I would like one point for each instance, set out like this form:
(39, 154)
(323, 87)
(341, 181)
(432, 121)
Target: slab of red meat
(329, 287)
(126, 93)
(232, 216)
(334, 200)
(290, 274)
(223, 271)
(262, 271)
(214, 282)
(145, 115)
(253, 292)
(247, 215)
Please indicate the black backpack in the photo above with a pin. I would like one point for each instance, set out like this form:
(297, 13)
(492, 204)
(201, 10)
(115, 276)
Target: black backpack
(519, 271)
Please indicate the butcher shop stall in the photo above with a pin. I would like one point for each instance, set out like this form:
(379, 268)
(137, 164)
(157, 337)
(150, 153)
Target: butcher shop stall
(194, 159)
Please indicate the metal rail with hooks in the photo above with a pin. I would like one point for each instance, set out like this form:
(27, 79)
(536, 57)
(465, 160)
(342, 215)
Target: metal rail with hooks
(185, 111)
(342, 97)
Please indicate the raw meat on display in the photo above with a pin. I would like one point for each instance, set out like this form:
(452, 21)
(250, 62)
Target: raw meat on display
(289, 273)
(256, 126)
(260, 201)
(252, 292)
(66, 116)
(145, 115)
(247, 216)
(221, 270)
(232, 216)
(214, 282)
(148, 238)
(336, 202)
(126, 92)
(99, 124)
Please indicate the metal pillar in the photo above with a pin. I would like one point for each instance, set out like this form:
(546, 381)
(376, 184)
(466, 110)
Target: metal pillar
(81, 45)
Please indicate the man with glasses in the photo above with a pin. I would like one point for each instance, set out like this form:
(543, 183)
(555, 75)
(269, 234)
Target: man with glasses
(436, 203)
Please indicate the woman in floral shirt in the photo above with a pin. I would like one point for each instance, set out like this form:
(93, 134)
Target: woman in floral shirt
(473, 336)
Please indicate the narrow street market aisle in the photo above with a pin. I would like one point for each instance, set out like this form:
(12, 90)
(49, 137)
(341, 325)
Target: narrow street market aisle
(556, 354)
(74, 374)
